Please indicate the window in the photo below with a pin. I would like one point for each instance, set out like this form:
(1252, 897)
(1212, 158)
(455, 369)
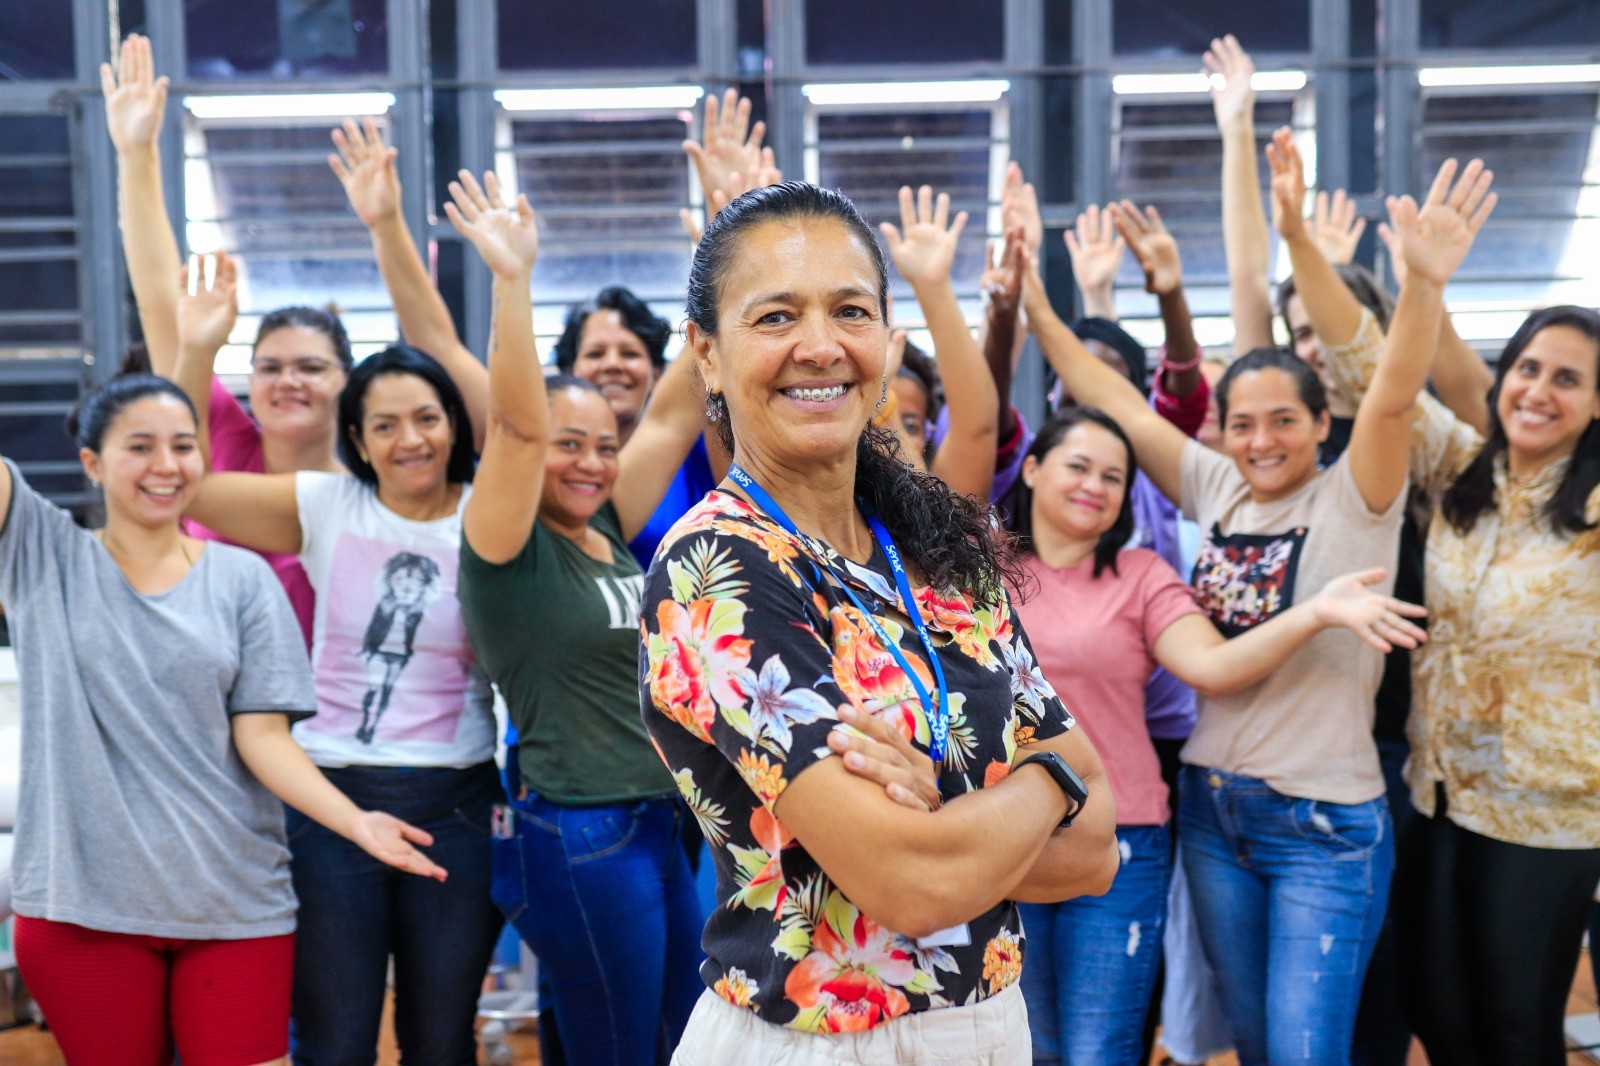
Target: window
(1493, 24)
(36, 41)
(607, 185)
(1168, 154)
(903, 31)
(1542, 244)
(304, 39)
(259, 186)
(1186, 27)
(597, 34)
(38, 234)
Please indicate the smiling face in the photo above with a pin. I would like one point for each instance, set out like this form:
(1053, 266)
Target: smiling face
(580, 466)
(405, 435)
(149, 462)
(1079, 485)
(295, 378)
(801, 343)
(1549, 396)
(614, 358)
(1270, 433)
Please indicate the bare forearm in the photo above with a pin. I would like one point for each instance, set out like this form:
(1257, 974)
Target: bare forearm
(1182, 348)
(1099, 301)
(1408, 349)
(1334, 311)
(280, 764)
(999, 346)
(516, 381)
(1247, 242)
(151, 250)
(1461, 379)
(193, 372)
(1213, 666)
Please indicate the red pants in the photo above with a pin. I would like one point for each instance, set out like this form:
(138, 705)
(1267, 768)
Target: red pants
(115, 998)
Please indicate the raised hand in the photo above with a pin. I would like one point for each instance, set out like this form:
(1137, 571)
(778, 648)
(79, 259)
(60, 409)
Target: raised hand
(209, 304)
(879, 753)
(1001, 284)
(1233, 101)
(1435, 239)
(389, 840)
(1019, 209)
(1152, 244)
(731, 143)
(1381, 621)
(1288, 186)
(365, 167)
(136, 100)
(1336, 229)
(506, 237)
(924, 247)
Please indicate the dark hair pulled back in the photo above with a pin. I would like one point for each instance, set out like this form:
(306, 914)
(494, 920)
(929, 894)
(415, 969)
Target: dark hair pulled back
(1473, 492)
(1361, 282)
(402, 359)
(953, 540)
(1051, 434)
(94, 412)
(1306, 382)
(651, 329)
(323, 321)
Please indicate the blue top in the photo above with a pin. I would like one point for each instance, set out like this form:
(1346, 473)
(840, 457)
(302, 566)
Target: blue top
(694, 480)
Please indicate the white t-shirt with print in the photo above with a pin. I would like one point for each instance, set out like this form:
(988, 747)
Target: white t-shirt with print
(397, 683)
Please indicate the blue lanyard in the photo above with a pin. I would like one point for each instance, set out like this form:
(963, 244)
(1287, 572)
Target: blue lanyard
(936, 713)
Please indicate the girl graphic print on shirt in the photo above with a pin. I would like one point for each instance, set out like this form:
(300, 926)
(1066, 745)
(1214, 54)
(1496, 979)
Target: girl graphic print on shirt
(410, 582)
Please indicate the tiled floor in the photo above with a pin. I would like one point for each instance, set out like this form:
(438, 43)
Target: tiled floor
(29, 1047)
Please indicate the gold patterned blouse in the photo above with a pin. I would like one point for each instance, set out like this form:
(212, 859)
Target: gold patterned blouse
(1506, 693)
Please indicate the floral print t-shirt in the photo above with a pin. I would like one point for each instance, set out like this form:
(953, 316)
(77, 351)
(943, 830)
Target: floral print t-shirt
(748, 652)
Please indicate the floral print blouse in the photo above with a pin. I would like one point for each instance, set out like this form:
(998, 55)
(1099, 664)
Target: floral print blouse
(748, 650)
(1506, 692)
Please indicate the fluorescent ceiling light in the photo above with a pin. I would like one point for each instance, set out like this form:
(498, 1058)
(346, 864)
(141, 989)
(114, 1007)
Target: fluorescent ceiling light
(1172, 84)
(1553, 74)
(906, 92)
(289, 105)
(628, 98)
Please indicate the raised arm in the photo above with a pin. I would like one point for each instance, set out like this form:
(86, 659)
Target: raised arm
(1245, 238)
(499, 516)
(924, 248)
(1334, 311)
(1157, 253)
(207, 307)
(1159, 444)
(366, 169)
(1434, 241)
(1460, 378)
(730, 145)
(1200, 657)
(659, 445)
(136, 103)
(1095, 248)
(1001, 337)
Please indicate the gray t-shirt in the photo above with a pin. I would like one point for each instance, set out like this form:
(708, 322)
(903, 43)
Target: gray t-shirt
(1306, 730)
(136, 814)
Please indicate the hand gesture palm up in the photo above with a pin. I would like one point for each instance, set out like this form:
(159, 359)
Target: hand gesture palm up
(1095, 248)
(924, 247)
(209, 304)
(366, 170)
(1435, 239)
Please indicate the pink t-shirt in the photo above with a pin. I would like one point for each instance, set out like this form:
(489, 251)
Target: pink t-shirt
(236, 446)
(1093, 638)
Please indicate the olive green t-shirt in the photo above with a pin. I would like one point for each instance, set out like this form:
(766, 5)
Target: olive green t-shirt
(558, 632)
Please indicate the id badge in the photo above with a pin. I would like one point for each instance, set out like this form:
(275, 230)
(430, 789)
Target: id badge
(957, 936)
(502, 822)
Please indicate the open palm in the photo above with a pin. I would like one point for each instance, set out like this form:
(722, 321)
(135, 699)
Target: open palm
(1235, 100)
(1152, 244)
(209, 305)
(1436, 238)
(506, 237)
(924, 247)
(366, 169)
(136, 100)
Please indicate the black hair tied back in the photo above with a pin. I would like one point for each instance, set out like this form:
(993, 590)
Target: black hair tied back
(93, 414)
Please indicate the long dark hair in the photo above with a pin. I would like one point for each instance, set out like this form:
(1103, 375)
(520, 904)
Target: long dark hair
(652, 330)
(1473, 492)
(402, 359)
(1051, 434)
(952, 539)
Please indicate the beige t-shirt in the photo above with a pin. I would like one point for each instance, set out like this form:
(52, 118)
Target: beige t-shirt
(1307, 729)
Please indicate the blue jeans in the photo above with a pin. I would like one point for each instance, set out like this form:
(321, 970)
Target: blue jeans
(355, 912)
(604, 897)
(1090, 966)
(1289, 895)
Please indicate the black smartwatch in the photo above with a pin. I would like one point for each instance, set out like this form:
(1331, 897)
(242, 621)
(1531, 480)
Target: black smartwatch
(1069, 782)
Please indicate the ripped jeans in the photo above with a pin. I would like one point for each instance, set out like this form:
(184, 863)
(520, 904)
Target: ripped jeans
(1289, 895)
(1090, 963)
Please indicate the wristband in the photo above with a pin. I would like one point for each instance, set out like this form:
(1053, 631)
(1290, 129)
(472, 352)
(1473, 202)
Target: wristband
(1178, 368)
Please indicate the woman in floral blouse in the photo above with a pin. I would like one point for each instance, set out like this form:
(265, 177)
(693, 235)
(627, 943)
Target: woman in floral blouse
(776, 637)
(1495, 883)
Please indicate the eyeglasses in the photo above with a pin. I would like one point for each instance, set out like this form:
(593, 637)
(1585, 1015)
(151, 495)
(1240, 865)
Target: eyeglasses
(304, 369)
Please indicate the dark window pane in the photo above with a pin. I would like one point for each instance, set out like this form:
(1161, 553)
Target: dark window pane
(752, 16)
(131, 17)
(35, 285)
(1363, 27)
(1058, 32)
(1496, 24)
(1186, 27)
(31, 189)
(903, 31)
(35, 40)
(605, 34)
(1060, 120)
(287, 38)
(442, 47)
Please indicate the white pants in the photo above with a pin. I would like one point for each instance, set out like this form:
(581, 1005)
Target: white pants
(991, 1033)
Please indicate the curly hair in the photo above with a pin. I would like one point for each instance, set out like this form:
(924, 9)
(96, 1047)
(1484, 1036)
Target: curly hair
(952, 540)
